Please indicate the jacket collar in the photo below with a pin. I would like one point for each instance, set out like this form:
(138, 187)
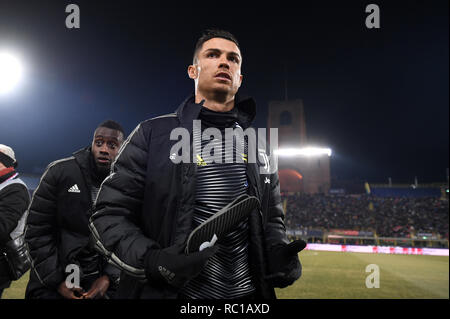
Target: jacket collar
(82, 157)
(189, 111)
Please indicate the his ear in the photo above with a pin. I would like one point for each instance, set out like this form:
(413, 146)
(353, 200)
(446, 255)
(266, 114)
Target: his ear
(240, 79)
(193, 71)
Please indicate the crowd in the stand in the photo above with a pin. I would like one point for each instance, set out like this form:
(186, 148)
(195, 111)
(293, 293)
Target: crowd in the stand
(388, 217)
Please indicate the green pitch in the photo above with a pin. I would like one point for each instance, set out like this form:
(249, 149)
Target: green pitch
(336, 275)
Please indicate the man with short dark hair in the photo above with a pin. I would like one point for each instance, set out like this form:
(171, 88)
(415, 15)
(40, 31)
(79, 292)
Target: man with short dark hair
(151, 203)
(57, 232)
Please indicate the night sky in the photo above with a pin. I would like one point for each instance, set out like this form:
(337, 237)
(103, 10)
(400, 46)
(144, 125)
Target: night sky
(377, 97)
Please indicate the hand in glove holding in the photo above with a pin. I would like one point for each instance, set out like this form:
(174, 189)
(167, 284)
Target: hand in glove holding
(170, 265)
(284, 265)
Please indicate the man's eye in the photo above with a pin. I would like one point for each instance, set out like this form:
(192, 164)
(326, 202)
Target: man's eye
(234, 59)
(112, 145)
(98, 143)
(212, 54)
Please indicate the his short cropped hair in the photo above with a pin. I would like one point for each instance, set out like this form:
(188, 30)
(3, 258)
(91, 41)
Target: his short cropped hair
(112, 125)
(213, 33)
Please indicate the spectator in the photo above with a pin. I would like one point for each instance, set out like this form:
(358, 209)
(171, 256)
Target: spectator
(14, 200)
(390, 217)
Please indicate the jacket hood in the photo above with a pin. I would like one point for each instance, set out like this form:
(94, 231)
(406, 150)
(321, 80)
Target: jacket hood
(246, 106)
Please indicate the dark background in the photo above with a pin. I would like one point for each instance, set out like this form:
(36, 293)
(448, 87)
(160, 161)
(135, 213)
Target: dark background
(377, 97)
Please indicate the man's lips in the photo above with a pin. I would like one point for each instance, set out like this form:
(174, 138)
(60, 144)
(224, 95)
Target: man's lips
(223, 76)
(103, 160)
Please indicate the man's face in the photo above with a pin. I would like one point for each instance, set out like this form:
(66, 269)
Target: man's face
(218, 68)
(105, 146)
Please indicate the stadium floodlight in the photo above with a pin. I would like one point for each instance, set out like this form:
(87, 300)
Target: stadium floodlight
(305, 151)
(11, 71)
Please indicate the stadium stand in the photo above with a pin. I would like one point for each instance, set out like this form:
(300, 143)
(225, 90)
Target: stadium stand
(367, 216)
(405, 192)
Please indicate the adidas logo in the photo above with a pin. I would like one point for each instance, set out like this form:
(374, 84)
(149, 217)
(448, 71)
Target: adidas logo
(167, 274)
(74, 189)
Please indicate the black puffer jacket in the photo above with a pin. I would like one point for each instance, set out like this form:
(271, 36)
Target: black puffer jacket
(57, 224)
(14, 201)
(148, 202)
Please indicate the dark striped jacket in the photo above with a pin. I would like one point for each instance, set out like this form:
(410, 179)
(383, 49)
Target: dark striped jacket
(148, 202)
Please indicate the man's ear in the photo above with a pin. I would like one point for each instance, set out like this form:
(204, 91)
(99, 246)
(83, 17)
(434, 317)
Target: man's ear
(240, 79)
(193, 71)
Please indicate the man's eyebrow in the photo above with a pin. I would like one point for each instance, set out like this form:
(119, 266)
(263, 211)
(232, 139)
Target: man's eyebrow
(220, 51)
(109, 137)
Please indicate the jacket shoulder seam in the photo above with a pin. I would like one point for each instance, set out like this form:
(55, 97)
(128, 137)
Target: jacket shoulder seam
(61, 161)
(163, 116)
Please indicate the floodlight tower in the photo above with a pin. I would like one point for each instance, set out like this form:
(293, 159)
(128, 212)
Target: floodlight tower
(302, 168)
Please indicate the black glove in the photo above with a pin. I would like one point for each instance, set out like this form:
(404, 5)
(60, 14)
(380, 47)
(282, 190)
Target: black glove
(170, 265)
(284, 265)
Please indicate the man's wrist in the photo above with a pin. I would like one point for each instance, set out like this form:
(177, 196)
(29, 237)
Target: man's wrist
(151, 257)
(113, 279)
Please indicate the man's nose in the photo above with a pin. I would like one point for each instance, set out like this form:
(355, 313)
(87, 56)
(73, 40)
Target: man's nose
(104, 149)
(224, 63)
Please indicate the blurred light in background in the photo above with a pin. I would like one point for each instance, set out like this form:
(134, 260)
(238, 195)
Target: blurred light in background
(305, 151)
(11, 72)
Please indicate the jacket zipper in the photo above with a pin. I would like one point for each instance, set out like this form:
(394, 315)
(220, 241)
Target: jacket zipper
(177, 213)
(254, 183)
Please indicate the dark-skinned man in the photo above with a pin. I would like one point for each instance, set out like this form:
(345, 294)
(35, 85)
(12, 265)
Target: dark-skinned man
(57, 232)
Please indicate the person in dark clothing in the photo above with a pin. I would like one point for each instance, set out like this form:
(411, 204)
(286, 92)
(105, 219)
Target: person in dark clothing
(151, 202)
(14, 201)
(57, 233)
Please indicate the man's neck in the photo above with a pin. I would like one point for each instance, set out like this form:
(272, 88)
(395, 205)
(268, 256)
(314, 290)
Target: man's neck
(97, 175)
(217, 103)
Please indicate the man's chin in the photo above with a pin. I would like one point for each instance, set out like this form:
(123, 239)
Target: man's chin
(103, 168)
(223, 91)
